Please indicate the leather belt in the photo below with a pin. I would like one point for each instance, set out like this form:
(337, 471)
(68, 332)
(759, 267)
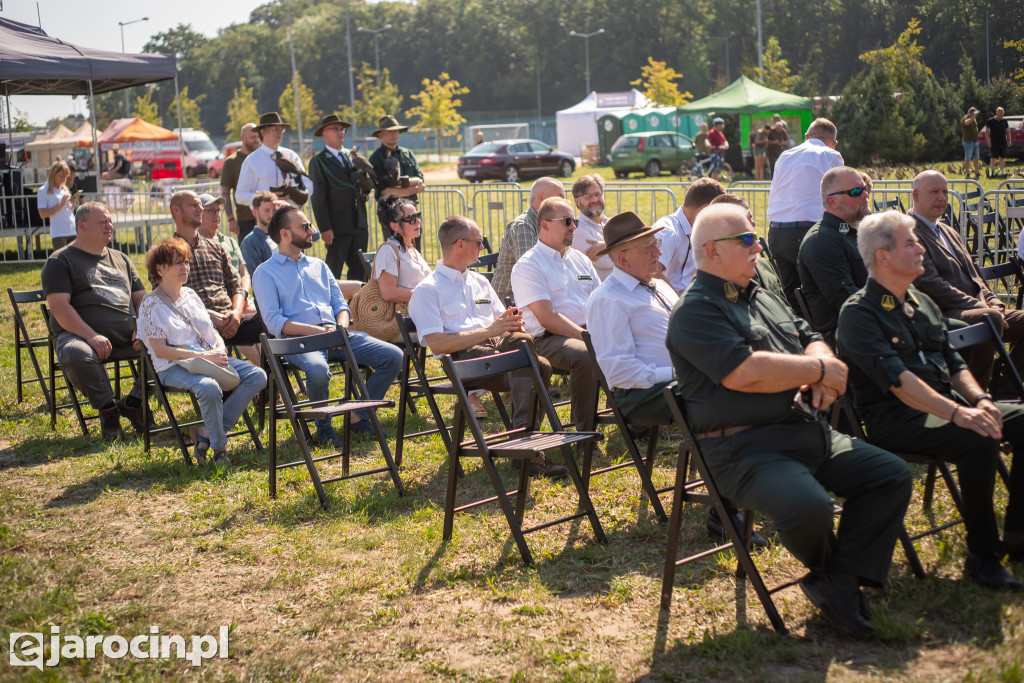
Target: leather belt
(724, 432)
(794, 224)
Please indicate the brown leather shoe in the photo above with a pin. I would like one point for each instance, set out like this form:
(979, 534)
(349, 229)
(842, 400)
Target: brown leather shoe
(110, 423)
(136, 416)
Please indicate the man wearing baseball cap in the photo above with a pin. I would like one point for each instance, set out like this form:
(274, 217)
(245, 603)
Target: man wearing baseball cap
(395, 167)
(210, 229)
(717, 145)
(261, 171)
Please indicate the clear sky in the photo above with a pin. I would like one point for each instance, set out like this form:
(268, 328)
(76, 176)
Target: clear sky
(94, 23)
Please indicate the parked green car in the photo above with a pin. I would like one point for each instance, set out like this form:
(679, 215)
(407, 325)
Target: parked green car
(650, 153)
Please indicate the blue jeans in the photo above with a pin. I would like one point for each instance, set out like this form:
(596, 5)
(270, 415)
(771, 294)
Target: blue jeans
(218, 414)
(971, 150)
(383, 357)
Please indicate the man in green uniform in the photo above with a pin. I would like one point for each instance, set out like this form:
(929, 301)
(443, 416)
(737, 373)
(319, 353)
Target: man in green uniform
(741, 357)
(395, 167)
(915, 394)
(240, 218)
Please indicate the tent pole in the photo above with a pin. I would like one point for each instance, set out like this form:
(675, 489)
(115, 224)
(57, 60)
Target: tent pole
(181, 145)
(10, 129)
(97, 161)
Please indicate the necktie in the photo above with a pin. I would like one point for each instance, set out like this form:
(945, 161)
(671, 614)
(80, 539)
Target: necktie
(342, 158)
(657, 295)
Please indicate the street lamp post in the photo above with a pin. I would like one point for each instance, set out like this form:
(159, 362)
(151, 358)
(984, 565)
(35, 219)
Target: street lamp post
(376, 44)
(586, 48)
(726, 39)
(122, 24)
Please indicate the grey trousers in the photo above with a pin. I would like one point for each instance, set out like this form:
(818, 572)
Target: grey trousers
(87, 372)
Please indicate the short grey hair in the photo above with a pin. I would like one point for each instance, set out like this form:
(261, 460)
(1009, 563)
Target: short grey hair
(85, 212)
(832, 175)
(878, 231)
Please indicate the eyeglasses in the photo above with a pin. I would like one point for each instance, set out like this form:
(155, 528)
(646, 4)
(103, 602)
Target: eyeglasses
(852, 192)
(411, 218)
(568, 220)
(479, 242)
(305, 227)
(747, 239)
(650, 246)
(592, 195)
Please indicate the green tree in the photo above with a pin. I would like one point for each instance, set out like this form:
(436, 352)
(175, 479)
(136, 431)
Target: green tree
(775, 72)
(20, 122)
(373, 101)
(1018, 45)
(658, 83)
(190, 110)
(146, 109)
(109, 106)
(242, 109)
(438, 108)
(181, 41)
(307, 105)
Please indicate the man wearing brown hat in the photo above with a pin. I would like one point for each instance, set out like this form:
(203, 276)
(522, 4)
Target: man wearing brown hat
(339, 199)
(261, 171)
(395, 167)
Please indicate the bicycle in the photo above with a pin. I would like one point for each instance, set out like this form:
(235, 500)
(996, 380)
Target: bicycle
(704, 167)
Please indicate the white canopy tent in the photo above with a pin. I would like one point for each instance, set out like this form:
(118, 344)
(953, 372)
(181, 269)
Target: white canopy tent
(577, 125)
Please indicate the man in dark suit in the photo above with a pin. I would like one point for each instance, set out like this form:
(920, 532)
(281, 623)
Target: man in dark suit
(951, 278)
(339, 199)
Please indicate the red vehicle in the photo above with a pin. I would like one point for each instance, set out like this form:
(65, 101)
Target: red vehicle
(214, 167)
(511, 160)
(1016, 146)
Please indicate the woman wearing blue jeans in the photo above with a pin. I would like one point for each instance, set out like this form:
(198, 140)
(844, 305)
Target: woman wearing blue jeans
(174, 325)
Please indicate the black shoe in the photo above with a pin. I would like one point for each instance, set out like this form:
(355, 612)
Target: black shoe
(326, 436)
(135, 416)
(716, 531)
(220, 459)
(548, 469)
(110, 423)
(554, 393)
(988, 571)
(842, 605)
(362, 428)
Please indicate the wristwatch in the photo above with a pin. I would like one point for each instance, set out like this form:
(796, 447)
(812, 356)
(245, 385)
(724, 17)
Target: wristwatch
(982, 397)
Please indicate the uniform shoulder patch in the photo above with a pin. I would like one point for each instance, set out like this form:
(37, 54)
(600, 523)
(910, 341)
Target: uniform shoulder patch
(888, 302)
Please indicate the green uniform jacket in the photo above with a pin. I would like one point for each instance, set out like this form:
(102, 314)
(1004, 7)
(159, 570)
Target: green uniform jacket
(831, 269)
(407, 166)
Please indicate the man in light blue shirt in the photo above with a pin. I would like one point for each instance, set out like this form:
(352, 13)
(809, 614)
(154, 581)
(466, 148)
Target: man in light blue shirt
(298, 296)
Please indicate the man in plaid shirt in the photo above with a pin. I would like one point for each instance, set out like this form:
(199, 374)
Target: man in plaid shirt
(521, 235)
(214, 279)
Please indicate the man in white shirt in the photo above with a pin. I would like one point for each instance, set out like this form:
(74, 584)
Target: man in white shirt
(260, 170)
(588, 193)
(521, 234)
(456, 311)
(794, 202)
(676, 256)
(552, 282)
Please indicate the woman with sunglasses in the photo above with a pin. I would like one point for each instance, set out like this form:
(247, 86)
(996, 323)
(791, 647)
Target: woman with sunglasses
(398, 267)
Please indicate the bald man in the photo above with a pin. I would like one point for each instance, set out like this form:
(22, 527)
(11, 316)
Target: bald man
(521, 234)
(951, 278)
(240, 218)
(742, 361)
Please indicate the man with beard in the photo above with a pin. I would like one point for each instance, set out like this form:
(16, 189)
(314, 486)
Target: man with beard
(240, 218)
(830, 266)
(299, 296)
(588, 193)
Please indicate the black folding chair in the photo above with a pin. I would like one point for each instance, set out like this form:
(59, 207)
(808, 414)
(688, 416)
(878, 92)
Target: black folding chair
(24, 342)
(151, 379)
(521, 444)
(421, 385)
(485, 265)
(1009, 274)
(612, 415)
(367, 258)
(285, 406)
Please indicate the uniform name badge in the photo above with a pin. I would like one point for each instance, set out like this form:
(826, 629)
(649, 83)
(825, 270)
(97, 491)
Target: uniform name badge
(482, 302)
(588, 278)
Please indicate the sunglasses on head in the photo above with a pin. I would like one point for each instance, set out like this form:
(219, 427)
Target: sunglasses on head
(747, 239)
(411, 218)
(852, 192)
(568, 220)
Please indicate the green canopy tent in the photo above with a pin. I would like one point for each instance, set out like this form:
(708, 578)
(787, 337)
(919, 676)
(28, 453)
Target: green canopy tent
(755, 103)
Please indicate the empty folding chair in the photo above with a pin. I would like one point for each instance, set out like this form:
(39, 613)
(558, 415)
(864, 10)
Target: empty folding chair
(24, 342)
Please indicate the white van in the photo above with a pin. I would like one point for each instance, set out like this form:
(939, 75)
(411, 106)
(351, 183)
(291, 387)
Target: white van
(199, 151)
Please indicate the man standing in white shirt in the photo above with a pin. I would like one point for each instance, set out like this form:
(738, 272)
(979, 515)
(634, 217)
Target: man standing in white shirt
(676, 255)
(456, 311)
(552, 282)
(588, 193)
(260, 170)
(794, 202)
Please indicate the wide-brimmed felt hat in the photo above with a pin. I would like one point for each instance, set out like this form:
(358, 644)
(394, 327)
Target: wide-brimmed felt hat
(330, 120)
(272, 118)
(625, 227)
(388, 122)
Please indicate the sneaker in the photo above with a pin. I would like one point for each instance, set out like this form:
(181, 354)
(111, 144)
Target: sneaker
(716, 531)
(841, 604)
(110, 423)
(546, 468)
(135, 416)
(987, 571)
(326, 436)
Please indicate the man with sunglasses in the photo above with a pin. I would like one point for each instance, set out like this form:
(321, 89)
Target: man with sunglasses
(521, 234)
(552, 282)
(754, 379)
(298, 296)
(952, 280)
(794, 202)
(830, 266)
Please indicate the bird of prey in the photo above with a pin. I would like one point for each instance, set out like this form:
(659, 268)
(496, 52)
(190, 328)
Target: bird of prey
(288, 167)
(361, 162)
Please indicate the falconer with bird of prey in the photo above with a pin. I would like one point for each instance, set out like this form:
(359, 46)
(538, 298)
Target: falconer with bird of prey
(273, 167)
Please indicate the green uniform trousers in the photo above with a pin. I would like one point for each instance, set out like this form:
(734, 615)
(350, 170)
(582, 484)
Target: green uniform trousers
(786, 471)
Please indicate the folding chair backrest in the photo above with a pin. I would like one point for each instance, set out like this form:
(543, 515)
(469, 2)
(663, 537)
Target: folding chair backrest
(367, 258)
(24, 340)
(985, 332)
(801, 302)
(1000, 270)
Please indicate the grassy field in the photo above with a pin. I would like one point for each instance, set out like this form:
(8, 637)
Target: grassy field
(101, 539)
